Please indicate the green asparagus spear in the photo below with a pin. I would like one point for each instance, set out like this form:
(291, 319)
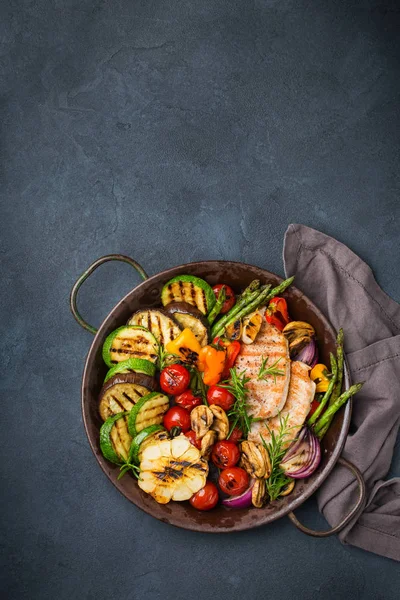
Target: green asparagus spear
(340, 366)
(219, 327)
(279, 289)
(320, 425)
(248, 307)
(327, 394)
(217, 306)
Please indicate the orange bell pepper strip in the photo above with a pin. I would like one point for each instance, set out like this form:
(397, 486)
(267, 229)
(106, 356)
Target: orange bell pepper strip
(211, 362)
(232, 351)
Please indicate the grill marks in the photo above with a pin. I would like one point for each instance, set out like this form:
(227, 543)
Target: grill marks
(185, 291)
(160, 325)
(133, 343)
(120, 438)
(296, 408)
(120, 397)
(266, 396)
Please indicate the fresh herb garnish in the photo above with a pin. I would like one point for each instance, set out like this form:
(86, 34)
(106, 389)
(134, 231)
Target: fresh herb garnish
(128, 467)
(271, 370)
(165, 358)
(276, 450)
(239, 414)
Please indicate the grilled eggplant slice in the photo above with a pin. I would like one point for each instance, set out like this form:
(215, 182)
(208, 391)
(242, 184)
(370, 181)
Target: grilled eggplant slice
(191, 317)
(130, 341)
(172, 470)
(115, 440)
(122, 391)
(187, 288)
(132, 365)
(149, 410)
(159, 324)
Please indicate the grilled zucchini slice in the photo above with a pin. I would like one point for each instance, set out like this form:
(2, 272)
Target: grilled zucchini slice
(149, 410)
(130, 341)
(190, 289)
(115, 441)
(148, 435)
(132, 365)
(188, 316)
(121, 394)
(160, 325)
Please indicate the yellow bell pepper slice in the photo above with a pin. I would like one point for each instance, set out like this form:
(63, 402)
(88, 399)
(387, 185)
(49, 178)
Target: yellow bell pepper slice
(186, 346)
(320, 375)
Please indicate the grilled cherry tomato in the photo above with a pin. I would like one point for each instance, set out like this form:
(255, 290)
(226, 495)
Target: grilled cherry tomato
(206, 498)
(229, 297)
(233, 481)
(225, 454)
(177, 416)
(193, 439)
(188, 400)
(236, 435)
(221, 397)
(174, 379)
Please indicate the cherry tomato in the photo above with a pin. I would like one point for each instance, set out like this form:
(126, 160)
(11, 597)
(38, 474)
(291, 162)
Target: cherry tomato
(177, 416)
(236, 435)
(221, 397)
(233, 481)
(206, 498)
(225, 454)
(193, 439)
(229, 297)
(174, 379)
(188, 400)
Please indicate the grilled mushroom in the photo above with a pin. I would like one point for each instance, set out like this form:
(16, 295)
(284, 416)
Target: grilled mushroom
(298, 334)
(288, 489)
(259, 493)
(253, 460)
(265, 455)
(201, 419)
(221, 421)
(207, 443)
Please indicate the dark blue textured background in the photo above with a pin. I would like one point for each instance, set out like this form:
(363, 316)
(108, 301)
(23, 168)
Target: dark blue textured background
(172, 131)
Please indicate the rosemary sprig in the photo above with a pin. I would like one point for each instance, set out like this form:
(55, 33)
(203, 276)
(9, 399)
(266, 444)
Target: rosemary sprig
(239, 415)
(271, 370)
(129, 467)
(165, 358)
(276, 450)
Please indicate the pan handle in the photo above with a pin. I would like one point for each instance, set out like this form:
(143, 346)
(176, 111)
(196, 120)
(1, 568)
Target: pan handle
(89, 271)
(350, 516)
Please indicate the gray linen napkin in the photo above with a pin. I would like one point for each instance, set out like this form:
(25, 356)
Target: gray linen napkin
(344, 288)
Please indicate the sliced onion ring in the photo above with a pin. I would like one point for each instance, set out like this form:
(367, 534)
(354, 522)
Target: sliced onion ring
(310, 460)
(308, 354)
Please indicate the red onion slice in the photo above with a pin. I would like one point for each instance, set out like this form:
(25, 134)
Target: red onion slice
(309, 354)
(242, 501)
(310, 461)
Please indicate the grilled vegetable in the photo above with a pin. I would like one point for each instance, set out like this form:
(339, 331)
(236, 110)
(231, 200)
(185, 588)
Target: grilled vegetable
(132, 365)
(146, 436)
(186, 346)
(255, 460)
(234, 331)
(130, 341)
(188, 316)
(259, 493)
(187, 288)
(251, 326)
(160, 325)
(172, 470)
(207, 443)
(220, 423)
(149, 410)
(217, 308)
(299, 334)
(115, 439)
(321, 376)
(201, 419)
(122, 391)
(211, 362)
(277, 313)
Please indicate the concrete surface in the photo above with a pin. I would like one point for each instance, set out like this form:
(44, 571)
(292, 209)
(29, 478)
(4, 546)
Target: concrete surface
(173, 131)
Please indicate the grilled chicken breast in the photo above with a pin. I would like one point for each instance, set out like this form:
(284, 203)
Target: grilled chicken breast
(266, 396)
(300, 396)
